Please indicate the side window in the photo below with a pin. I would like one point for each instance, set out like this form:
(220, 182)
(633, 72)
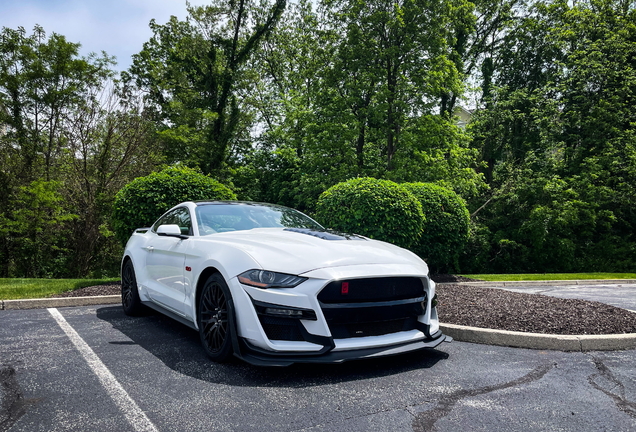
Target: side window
(179, 216)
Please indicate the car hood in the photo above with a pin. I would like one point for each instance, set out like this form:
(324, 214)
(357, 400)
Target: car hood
(294, 252)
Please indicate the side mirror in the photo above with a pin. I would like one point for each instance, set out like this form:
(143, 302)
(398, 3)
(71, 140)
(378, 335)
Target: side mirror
(170, 231)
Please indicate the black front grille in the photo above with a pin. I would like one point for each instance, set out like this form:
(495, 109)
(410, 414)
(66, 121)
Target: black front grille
(371, 290)
(281, 328)
(372, 307)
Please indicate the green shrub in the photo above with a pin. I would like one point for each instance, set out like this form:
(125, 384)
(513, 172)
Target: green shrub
(378, 209)
(143, 200)
(446, 228)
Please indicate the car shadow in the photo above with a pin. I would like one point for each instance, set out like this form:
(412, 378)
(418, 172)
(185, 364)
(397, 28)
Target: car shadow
(179, 348)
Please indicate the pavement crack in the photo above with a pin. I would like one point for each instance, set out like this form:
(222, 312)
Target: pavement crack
(605, 381)
(12, 403)
(425, 421)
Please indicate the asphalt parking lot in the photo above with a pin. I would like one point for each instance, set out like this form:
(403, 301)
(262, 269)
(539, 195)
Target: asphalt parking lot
(93, 368)
(616, 294)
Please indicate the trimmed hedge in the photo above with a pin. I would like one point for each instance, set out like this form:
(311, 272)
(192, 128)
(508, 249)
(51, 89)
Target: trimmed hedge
(141, 202)
(446, 229)
(378, 209)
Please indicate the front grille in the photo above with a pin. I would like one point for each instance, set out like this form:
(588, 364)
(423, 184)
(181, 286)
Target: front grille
(372, 307)
(281, 328)
(372, 290)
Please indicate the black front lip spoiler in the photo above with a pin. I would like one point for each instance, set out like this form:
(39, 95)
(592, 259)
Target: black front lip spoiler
(259, 357)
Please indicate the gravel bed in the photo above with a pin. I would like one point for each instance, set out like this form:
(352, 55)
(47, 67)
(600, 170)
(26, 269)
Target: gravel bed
(497, 309)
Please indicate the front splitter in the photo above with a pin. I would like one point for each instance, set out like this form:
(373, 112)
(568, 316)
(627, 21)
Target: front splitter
(258, 357)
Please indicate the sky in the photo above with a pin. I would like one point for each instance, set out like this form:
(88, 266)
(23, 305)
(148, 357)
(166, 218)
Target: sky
(119, 27)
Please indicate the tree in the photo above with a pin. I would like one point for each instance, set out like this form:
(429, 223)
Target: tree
(558, 137)
(194, 71)
(41, 81)
(108, 143)
(350, 89)
(43, 84)
(69, 139)
(390, 66)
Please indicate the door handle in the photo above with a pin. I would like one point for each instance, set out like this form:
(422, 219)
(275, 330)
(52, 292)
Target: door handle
(150, 248)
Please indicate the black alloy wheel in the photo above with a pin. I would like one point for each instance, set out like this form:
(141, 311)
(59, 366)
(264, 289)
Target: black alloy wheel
(214, 312)
(129, 294)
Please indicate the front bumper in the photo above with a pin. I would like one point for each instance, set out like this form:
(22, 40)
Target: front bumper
(385, 310)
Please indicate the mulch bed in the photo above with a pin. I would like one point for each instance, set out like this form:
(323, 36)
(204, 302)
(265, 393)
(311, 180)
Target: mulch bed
(113, 288)
(504, 310)
(497, 309)
(449, 278)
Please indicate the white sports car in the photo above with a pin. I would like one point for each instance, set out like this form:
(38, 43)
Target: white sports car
(271, 286)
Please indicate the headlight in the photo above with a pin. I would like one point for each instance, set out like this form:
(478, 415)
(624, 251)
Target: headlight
(268, 279)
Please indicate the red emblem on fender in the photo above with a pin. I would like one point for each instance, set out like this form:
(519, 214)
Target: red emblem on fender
(188, 268)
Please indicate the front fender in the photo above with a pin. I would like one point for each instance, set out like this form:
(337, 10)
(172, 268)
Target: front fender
(228, 261)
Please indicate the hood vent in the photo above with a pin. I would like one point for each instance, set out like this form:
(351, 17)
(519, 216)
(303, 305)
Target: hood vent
(326, 234)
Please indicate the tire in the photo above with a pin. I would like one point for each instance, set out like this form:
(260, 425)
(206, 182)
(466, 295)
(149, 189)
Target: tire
(129, 294)
(215, 315)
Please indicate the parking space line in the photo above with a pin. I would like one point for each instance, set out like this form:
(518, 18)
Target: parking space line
(135, 416)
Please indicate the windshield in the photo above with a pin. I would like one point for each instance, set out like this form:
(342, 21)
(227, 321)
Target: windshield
(223, 217)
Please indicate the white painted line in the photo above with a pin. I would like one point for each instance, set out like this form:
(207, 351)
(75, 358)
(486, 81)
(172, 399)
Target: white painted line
(135, 416)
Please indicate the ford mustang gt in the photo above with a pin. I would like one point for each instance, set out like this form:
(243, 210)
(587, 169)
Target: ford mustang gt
(271, 286)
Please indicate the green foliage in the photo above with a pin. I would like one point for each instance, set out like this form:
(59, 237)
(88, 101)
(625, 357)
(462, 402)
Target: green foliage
(69, 140)
(389, 60)
(378, 209)
(286, 102)
(351, 89)
(446, 229)
(558, 139)
(34, 231)
(142, 201)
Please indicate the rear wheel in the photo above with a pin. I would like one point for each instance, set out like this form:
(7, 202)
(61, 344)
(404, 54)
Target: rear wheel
(129, 293)
(214, 312)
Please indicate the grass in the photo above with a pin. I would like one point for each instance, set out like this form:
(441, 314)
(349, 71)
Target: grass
(549, 276)
(14, 289)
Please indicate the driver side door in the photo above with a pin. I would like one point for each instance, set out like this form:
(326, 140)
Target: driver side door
(165, 262)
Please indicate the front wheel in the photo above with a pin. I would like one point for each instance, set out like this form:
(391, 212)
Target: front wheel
(214, 312)
(129, 294)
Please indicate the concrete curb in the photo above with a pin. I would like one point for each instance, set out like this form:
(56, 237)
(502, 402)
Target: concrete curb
(540, 341)
(545, 283)
(58, 302)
